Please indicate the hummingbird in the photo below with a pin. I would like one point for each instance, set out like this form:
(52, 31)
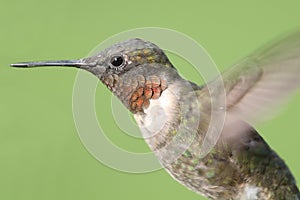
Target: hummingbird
(240, 164)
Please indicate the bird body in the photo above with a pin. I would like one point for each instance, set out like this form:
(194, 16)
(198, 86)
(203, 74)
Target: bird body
(236, 168)
(175, 115)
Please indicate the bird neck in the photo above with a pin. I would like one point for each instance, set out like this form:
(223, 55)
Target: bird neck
(138, 86)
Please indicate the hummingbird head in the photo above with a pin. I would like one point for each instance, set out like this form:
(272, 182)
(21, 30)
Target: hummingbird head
(123, 57)
(134, 70)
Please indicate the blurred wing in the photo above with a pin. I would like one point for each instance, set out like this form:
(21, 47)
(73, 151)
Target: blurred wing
(257, 84)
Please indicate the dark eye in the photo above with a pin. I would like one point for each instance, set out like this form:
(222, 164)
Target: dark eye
(117, 61)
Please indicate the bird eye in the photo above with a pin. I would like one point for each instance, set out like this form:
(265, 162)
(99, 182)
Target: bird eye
(117, 61)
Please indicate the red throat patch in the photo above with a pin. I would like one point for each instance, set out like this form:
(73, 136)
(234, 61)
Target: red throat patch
(152, 89)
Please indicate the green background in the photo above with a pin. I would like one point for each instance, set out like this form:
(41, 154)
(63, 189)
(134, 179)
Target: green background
(41, 156)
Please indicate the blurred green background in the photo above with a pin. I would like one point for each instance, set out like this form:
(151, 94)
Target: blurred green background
(41, 154)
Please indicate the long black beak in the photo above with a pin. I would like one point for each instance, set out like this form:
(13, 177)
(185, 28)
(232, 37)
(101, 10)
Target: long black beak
(65, 63)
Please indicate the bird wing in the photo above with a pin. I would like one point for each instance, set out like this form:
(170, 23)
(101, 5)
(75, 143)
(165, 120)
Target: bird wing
(264, 79)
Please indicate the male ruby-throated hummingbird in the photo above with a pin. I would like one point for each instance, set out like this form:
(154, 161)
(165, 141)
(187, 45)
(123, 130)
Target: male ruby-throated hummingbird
(240, 165)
